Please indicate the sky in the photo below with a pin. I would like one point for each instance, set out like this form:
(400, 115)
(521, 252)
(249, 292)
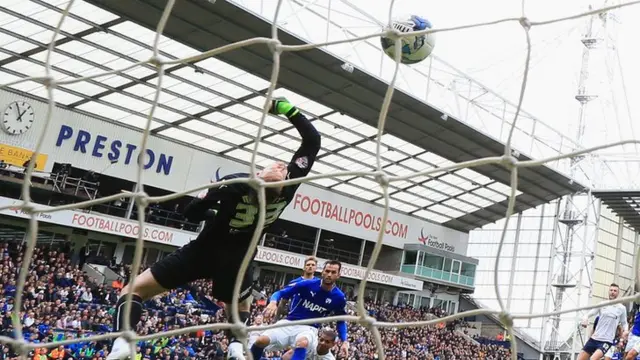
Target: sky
(495, 57)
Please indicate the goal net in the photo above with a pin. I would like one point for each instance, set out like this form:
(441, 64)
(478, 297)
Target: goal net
(143, 200)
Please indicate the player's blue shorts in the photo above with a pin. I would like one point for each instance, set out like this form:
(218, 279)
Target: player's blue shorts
(592, 345)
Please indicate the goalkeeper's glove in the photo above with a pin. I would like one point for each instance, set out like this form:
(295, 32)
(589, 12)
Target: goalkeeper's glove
(282, 106)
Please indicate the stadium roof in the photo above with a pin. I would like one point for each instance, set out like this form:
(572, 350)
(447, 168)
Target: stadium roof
(215, 104)
(625, 204)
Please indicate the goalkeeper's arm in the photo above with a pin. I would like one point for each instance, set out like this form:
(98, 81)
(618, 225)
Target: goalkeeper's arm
(303, 159)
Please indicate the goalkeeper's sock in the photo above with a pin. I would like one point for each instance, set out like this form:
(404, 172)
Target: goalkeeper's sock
(134, 317)
(299, 354)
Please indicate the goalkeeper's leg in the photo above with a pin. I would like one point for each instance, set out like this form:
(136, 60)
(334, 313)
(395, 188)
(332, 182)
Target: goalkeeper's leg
(144, 287)
(235, 349)
(181, 267)
(223, 290)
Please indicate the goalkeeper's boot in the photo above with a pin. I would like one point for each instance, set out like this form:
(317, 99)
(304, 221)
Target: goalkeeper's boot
(282, 106)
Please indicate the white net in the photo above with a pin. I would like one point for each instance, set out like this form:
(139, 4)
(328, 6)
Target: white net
(143, 200)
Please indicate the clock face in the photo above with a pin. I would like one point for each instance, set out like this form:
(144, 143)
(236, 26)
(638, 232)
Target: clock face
(17, 118)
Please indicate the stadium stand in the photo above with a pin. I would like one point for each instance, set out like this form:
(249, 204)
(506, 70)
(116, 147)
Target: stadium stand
(61, 302)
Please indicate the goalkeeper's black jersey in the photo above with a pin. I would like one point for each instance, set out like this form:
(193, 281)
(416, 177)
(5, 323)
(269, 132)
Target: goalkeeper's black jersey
(236, 204)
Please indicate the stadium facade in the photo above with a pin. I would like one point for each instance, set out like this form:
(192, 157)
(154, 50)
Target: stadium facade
(99, 147)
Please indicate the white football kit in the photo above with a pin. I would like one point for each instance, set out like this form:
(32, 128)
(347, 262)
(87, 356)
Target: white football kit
(312, 351)
(313, 355)
(633, 342)
(610, 317)
(254, 335)
(284, 337)
(290, 334)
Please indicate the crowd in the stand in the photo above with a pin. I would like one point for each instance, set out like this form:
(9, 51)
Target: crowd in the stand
(60, 302)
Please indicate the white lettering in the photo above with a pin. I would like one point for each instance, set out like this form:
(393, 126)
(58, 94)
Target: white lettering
(313, 307)
(337, 213)
(279, 258)
(349, 271)
(115, 226)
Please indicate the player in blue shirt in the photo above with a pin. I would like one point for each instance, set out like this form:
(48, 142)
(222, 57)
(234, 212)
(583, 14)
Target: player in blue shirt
(317, 298)
(310, 265)
(633, 341)
(308, 273)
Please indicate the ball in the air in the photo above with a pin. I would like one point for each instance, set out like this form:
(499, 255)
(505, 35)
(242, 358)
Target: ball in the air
(414, 48)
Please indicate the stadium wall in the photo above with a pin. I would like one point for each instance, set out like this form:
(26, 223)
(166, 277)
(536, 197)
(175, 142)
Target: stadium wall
(524, 267)
(105, 147)
(112, 229)
(614, 256)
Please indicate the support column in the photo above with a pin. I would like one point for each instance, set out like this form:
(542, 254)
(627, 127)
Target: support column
(78, 243)
(616, 273)
(537, 261)
(545, 344)
(362, 247)
(317, 242)
(130, 205)
(634, 277)
(119, 252)
(514, 258)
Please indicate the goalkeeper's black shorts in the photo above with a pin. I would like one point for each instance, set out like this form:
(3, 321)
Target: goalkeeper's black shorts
(202, 259)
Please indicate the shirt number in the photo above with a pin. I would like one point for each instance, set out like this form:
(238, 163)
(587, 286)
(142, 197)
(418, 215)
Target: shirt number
(246, 214)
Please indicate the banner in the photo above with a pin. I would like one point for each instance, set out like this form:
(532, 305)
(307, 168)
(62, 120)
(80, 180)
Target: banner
(163, 235)
(18, 156)
(327, 210)
(284, 258)
(103, 223)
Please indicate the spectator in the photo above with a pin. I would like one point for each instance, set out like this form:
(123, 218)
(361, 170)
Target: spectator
(61, 302)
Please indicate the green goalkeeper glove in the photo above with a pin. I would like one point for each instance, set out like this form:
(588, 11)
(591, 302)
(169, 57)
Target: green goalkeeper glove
(282, 106)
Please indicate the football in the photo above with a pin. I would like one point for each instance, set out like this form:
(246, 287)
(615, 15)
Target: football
(414, 48)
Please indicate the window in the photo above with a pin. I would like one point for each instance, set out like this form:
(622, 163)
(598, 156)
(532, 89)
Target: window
(468, 270)
(433, 261)
(410, 257)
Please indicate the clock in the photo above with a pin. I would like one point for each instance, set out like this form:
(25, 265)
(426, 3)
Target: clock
(17, 118)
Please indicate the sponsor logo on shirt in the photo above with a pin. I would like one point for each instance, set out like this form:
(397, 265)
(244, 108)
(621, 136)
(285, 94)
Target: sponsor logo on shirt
(313, 307)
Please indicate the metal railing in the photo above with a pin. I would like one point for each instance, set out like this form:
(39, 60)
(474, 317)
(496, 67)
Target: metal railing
(59, 182)
(156, 216)
(306, 247)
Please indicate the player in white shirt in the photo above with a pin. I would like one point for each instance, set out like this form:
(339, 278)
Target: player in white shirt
(614, 352)
(253, 335)
(325, 341)
(604, 334)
